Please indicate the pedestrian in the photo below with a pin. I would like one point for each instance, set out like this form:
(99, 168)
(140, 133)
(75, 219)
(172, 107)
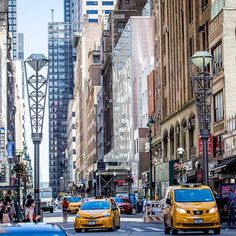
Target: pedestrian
(29, 196)
(231, 208)
(65, 205)
(5, 216)
(29, 212)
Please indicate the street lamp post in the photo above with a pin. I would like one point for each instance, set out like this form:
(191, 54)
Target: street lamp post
(202, 82)
(36, 90)
(182, 177)
(114, 175)
(149, 125)
(180, 152)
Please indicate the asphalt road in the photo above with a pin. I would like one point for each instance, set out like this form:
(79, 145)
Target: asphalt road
(131, 225)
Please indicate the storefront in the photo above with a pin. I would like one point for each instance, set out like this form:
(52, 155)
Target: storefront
(162, 177)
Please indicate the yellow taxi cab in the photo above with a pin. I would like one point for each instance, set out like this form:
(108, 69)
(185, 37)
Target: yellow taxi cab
(74, 203)
(94, 213)
(190, 207)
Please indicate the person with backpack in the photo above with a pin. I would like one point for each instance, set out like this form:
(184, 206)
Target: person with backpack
(231, 208)
(65, 205)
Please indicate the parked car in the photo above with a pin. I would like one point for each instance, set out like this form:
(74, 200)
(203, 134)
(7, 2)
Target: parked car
(124, 204)
(97, 214)
(190, 207)
(32, 229)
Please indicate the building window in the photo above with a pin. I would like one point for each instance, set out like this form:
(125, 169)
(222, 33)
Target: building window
(218, 106)
(91, 3)
(165, 108)
(163, 44)
(217, 58)
(204, 4)
(107, 12)
(120, 27)
(163, 12)
(190, 11)
(93, 20)
(108, 3)
(218, 144)
(164, 76)
(92, 11)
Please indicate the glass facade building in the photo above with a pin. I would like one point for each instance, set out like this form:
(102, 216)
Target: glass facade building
(61, 83)
(12, 26)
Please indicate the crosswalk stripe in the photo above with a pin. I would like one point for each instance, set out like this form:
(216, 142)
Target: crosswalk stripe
(68, 228)
(121, 231)
(136, 229)
(152, 228)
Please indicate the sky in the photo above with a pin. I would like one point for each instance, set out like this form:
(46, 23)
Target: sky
(32, 20)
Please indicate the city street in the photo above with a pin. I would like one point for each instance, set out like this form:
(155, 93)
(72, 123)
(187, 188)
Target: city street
(130, 225)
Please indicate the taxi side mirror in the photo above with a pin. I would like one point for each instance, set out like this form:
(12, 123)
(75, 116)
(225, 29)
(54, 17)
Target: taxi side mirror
(168, 201)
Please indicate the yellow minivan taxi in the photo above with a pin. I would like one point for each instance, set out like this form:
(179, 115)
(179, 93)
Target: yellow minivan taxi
(190, 207)
(74, 203)
(97, 214)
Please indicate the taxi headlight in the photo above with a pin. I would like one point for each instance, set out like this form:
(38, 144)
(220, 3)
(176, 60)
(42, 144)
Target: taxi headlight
(77, 216)
(213, 210)
(181, 210)
(106, 214)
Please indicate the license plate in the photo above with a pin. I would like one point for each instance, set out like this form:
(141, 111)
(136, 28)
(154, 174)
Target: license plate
(92, 223)
(198, 221)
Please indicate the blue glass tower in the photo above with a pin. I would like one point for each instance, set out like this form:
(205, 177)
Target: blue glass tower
(61, 84)
(12, 26)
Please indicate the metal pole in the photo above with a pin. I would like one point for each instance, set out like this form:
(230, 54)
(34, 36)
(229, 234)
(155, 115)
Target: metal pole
(99, 180)
(204, 137)
(18, 198)
(150, 162)
(204, 132)
(36, 178)
(129, 186)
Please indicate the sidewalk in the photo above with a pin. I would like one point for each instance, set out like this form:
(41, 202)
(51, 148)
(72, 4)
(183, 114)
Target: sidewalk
(224, 226)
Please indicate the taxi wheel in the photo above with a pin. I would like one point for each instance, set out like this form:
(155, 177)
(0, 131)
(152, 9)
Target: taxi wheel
(78, 230)
(217, 231)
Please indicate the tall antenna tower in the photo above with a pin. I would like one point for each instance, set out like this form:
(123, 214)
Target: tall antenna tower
(52, 15)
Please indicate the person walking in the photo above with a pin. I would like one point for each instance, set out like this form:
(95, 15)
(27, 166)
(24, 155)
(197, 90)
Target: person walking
(65, 205)
(29, 212)
(231, 208)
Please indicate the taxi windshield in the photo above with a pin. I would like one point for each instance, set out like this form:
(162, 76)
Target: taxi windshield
(122, 200)
(95, 205)
(74, 199)
(193, 195)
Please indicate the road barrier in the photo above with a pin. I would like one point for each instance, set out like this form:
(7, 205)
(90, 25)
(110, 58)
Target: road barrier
(153, 212)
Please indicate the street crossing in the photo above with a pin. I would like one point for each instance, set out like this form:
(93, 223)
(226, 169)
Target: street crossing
(70, 227)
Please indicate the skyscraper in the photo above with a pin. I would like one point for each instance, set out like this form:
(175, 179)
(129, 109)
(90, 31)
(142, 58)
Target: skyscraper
(20, 46)
(60, 92)
(12, 26)
(91, 10)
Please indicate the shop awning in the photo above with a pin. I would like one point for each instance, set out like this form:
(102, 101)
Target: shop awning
(225, 163)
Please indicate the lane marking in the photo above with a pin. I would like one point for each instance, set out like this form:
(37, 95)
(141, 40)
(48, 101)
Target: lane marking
(152, 228)
(68, 228)
(136, 229)
(121, 230)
